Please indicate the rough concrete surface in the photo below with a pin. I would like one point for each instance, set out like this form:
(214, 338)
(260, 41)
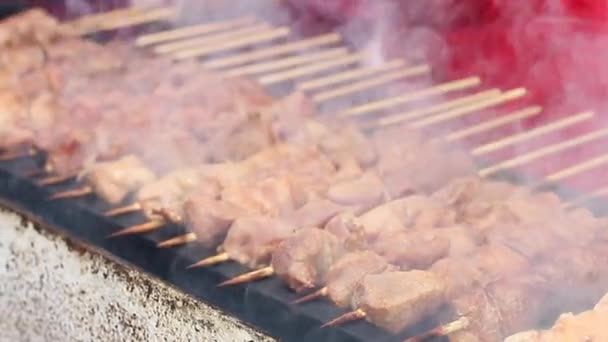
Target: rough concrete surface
(51, 291)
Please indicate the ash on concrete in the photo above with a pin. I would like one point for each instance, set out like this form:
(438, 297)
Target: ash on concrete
(51, 291)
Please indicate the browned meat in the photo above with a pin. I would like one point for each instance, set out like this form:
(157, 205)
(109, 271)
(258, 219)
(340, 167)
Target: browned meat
(396, 300)
(251, 240)
(304, 259)
(113, 181)
(210, 219)
(348, 271)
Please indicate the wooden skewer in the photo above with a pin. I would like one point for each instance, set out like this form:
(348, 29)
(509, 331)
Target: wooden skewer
(139, 229)
(347, 317)
(448, 105)
(576, 169)
(443, 330)
(212, 260)
(272, 51)
(259, 274)
(236, 43)
(471, 108)
(369, 83)
(413, 96)
(310, 69)
(74, 193)
(601, 192)
(552, 127)
(543, 152)
(519, 115)
(157, 14)
(93, 19)
(127, 209)
(191, 31)
(322, 292)
(56, 179)
(206, 40)
(350, 75)
(287, 62)
(177, 241)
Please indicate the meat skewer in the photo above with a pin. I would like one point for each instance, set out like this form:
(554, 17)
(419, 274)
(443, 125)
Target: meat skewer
(180, 45)
(400, 118)
(350, 75)
(191, 31)
(273, 51)
(444, 88)
(544, 151)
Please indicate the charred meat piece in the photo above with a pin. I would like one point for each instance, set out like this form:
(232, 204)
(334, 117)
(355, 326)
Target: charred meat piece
(396, 300)
(304, 259)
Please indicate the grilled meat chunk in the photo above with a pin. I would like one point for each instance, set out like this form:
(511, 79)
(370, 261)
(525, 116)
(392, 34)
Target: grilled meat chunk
(210, 219)
(252, 239)
(304, 259)
(396, 300)
(348, 271)
(113, 181)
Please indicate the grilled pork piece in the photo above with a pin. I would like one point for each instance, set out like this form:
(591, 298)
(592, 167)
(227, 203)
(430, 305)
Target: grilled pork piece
(251, 240)
(303, 259)
(348, 271)
(170, 191)
(589, 325)
(365, 192)
(210, 218)
(113, 181)
(396, 300)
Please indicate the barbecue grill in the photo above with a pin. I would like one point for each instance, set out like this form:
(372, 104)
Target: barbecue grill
(267, 304)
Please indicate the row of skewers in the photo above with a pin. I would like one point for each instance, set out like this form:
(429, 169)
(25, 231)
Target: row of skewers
(289, 173)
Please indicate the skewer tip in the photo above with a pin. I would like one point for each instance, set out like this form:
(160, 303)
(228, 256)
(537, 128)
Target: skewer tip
(210, 261)
(177, 241)
(130, 208)
(322, 292)
(444, 330)
(138, 229)
(74, 193)
(249, 277)
(347, 317)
